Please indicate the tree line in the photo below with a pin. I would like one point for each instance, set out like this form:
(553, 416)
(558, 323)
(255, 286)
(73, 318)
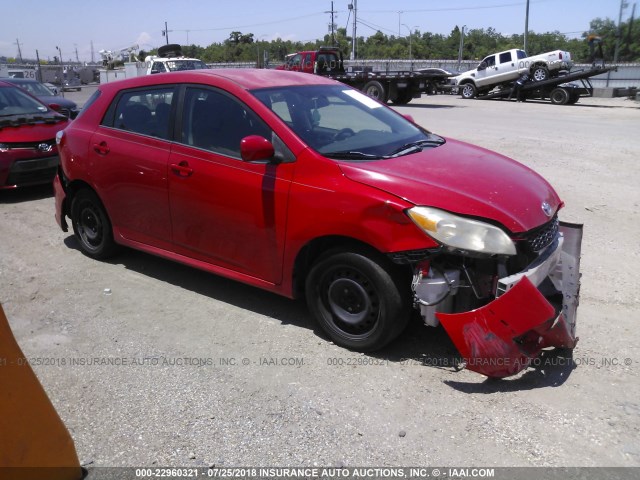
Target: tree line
(478, 43)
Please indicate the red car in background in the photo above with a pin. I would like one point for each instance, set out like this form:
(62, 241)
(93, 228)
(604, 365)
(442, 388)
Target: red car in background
(28, 151)
(303, 186)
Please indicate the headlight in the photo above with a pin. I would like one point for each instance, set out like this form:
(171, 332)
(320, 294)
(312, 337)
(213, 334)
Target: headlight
(462, 233)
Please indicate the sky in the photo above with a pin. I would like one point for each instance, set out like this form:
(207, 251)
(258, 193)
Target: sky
(72, 25)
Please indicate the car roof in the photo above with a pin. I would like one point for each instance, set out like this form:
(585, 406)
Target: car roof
(245, 78)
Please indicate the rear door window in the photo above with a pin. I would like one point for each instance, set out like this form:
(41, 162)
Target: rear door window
(145, 111)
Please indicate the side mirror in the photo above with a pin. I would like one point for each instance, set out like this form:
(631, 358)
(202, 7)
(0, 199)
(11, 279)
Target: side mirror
(254, 148)
(482, 66)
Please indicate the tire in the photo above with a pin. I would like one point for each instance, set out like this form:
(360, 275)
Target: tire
(539, 73)
(559, 96)
(403, 98)
(375, 89)
(91, 225)
(468, 91)
(573, 98)
(361, 304)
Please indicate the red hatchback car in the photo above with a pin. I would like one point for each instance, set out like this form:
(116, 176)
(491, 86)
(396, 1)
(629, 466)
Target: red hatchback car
(28, 151)
(303, 186)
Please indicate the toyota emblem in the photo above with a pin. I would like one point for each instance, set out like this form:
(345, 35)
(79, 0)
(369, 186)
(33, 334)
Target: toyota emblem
(44, 147)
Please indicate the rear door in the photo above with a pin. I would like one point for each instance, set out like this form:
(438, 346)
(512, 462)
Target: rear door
(225, 211)
(129, 154)
(507, 67)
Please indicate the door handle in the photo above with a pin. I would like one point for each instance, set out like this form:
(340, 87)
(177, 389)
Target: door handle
(102, 148)
(182, 169)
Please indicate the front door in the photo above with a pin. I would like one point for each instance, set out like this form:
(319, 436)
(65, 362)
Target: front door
(225, 211)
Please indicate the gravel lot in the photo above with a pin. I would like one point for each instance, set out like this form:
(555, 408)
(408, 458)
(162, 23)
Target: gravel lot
(210, 371)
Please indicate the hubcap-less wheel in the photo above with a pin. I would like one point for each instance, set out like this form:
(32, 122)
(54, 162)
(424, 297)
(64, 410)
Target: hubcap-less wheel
(91, 225)
(361, 301)
(351, 300)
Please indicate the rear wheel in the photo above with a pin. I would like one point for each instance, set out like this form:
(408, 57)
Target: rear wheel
(559, 96)
(91, 225)
(468, 91)
(358, 299)
(539, 73)
(404, 97)
(375, 89)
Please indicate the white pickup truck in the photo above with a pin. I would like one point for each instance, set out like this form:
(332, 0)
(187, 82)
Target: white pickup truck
(169, 59)
(506, 67)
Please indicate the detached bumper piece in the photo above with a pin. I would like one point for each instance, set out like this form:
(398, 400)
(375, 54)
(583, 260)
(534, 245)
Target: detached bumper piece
(503, 337)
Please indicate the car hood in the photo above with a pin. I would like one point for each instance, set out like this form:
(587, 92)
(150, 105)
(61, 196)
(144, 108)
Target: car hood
(463, 179)
(30, 132)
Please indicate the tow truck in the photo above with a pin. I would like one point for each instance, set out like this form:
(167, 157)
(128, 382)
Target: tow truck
(398, 86)
(564, 89)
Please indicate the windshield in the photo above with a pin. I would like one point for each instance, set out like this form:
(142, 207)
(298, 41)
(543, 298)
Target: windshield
(14, 101)
(35, 88)
(178, 65)
(342, 123)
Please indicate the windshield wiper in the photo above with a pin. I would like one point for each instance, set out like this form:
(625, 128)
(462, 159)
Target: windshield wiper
(352, 156)
(414, 147)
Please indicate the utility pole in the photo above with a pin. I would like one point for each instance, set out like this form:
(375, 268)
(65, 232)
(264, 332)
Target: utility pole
(461, 46)
(93, 59)
(354, 6)
(76, 47)
(623, 5)
(526, 28)
(333, 25)
(39, 68)
(19, 51)
(165, 33)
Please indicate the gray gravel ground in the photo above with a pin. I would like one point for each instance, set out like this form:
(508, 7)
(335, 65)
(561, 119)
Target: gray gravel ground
(213, 371)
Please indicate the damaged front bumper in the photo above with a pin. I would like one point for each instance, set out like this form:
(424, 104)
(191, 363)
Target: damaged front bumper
(532, 310)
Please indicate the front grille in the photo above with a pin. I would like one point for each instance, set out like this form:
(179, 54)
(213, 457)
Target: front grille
(29, 145)
(540, 238)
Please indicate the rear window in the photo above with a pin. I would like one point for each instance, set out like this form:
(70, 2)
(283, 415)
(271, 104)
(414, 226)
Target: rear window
(14, 101)
(505, 57)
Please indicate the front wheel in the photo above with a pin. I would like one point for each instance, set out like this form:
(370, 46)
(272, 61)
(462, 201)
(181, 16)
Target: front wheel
(468, 91)
(359, 303)
(91, 225)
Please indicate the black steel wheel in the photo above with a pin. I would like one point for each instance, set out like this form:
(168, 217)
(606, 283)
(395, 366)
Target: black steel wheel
(375, 89)
(404, 97)
(91, 225)
(468, 91)
(359, 303)
(559, 96)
